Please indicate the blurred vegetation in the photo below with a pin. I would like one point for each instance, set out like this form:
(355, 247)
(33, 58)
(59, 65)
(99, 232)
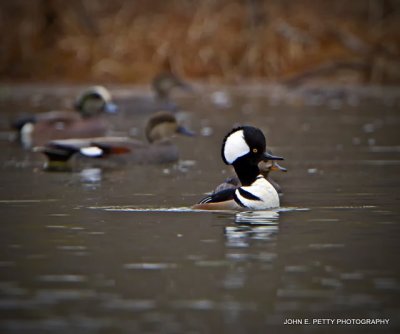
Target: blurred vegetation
(130, 41)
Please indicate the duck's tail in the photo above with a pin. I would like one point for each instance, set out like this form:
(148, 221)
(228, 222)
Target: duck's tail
(18, 124)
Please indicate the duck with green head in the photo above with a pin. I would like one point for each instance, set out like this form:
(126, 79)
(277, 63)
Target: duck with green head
(85, 122)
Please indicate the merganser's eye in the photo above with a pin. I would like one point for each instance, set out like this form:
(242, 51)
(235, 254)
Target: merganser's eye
(255, 150)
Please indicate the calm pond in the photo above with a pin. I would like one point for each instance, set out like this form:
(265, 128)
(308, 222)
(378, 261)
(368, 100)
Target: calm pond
(117, 250)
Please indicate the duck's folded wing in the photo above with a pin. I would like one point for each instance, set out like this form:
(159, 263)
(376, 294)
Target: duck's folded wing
(229, 183)
(221, 196)
(99, 147)
(222, 200)
(57, 151)
(51, 118)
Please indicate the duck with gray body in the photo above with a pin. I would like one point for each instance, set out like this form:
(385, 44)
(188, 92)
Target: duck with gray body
(86, 121)
(164, 83)
(244, 148)
(162, 86)
(159, 147)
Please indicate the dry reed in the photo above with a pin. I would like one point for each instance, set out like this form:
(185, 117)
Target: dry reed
(221, 40)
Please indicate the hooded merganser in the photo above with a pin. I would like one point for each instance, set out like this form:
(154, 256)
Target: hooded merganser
(244, 148)
(265, 168)
(84, 122)
(159, 148)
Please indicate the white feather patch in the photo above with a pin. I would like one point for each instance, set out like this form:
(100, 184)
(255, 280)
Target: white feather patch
(91, 151)
(235, 147)
(261, 188)
(26, 135)
(102, 91)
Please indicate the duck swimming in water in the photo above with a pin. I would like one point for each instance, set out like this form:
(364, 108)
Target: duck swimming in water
(85, 122)
(162, 85)
(265, 168)
(244, 148)
(121, 150)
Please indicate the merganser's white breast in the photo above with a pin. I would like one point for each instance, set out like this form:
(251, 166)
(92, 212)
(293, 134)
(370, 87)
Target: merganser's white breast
(260, 195)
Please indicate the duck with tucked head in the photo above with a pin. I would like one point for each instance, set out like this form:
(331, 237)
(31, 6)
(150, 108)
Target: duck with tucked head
(158, 149)
(86, 121)
(244, 148)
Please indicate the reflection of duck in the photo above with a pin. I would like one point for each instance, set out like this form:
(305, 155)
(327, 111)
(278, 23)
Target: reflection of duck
(244, 148)
(265, 168)
(159, 148)
(85, 122)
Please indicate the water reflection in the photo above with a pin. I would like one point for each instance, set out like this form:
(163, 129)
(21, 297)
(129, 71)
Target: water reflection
(240, 236)
(120, 304)
(150, 266)
(257, 217)
(91, 175)
(251, 243)
(251, 225)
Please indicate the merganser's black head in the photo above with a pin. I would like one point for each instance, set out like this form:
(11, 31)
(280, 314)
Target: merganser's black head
(244, 147)
(245, 143)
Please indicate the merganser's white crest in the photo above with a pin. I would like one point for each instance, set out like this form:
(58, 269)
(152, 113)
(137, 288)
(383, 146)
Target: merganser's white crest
(235, 146)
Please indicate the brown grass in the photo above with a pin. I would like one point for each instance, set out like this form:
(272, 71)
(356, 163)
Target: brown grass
(130, 41)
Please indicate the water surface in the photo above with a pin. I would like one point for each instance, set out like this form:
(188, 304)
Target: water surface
(117, 250)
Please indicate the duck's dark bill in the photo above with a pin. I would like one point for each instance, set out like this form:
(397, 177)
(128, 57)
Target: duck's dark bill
(268, 156)
(111, 108)
(184, 131)
(185, 86)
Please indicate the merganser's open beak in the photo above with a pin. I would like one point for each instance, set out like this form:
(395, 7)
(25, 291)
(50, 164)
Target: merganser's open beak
(276, 167)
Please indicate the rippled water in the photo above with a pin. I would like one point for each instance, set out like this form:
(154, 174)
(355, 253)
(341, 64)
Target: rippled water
(118, 250)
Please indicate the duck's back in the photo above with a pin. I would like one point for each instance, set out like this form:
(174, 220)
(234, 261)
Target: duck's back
(67, 127)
